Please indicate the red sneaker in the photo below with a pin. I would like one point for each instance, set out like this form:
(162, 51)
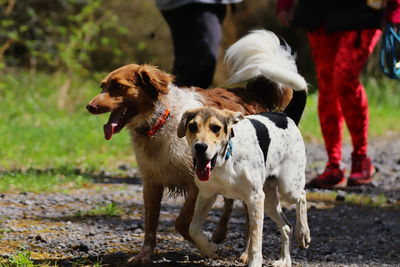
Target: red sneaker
(331, 178)
(362, 170)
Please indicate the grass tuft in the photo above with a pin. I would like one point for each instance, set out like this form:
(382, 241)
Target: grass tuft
(109, 210)
(350, 199)
(21, 259)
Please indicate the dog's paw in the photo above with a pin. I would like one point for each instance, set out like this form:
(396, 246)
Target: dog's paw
(142, 259)
(244, 257)
(209, 250)
(282, 263)
(303, 238)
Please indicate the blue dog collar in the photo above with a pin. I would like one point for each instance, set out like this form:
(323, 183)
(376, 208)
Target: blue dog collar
(229, 148)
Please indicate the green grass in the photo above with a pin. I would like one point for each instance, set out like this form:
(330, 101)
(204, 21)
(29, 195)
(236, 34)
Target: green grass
(39, 182)
(359, 199)
(350, 199)
(36, 134)
(21, 259)
(109, 210)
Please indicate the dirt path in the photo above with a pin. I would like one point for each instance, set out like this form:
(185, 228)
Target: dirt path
(55, 226)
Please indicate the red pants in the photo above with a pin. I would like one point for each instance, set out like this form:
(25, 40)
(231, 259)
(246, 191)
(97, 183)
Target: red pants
(339, 58)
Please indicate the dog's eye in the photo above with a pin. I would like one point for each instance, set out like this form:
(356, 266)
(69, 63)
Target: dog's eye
(215, 128)
(116, 86)
(119, 86)
(192, 127)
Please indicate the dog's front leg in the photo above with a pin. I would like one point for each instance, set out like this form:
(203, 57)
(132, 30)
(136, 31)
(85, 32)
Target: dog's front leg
(255, 207)
(245, 255)
(203, 205)
(185, 216)
(152, 194)
(222, 227)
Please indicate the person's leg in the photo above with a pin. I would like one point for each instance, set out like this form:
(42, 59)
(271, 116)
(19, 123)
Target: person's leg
(353, 51)
(196, 33)
(324, 48)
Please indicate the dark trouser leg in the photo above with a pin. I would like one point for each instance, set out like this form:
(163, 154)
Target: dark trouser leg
(196, 34)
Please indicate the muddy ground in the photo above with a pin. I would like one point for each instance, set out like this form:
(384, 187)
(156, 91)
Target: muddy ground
(54, 227)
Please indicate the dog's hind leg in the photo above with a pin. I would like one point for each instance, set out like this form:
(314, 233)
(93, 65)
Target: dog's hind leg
(302, 231)
(273, 209)
(203, 205)
(222, 227)
(152, 194)
(185, 216)
(291, 189)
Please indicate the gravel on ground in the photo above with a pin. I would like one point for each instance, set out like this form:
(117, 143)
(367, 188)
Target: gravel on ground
(56, 227)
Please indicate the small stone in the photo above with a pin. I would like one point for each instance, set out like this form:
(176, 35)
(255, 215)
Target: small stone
(341, 196)
(123, 167)
(132, 227)
(81, 247)
(40, 238)
(138, 231)
(163, 260)
(26, 202)
(91, 234)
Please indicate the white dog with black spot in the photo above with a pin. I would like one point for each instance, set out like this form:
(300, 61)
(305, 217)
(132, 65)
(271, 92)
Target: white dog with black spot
(255, 159)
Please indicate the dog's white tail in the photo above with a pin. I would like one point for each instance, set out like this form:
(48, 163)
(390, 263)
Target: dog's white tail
(260, 54)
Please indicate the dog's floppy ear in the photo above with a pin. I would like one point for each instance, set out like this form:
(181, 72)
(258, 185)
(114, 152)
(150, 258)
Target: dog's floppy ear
(181, 130)
(234, 117)
(237, 116)
(153, 80)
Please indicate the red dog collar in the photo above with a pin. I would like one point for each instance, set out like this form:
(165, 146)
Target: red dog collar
(159, 123)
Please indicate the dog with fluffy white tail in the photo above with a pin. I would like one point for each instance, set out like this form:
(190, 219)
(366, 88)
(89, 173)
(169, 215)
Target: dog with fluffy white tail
(255, 159)
(145, 100)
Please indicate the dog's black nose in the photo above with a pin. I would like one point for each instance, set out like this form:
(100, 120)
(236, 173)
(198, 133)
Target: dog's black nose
(200, 147)
(91, 108)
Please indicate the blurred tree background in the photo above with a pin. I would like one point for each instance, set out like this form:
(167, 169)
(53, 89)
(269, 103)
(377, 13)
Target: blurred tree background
(82, 36)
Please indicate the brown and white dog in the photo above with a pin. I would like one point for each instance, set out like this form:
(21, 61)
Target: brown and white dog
(146, 101)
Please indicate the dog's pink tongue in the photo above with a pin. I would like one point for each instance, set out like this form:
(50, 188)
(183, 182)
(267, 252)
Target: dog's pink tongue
(113, 120)
(203, 170)
(109, 129)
